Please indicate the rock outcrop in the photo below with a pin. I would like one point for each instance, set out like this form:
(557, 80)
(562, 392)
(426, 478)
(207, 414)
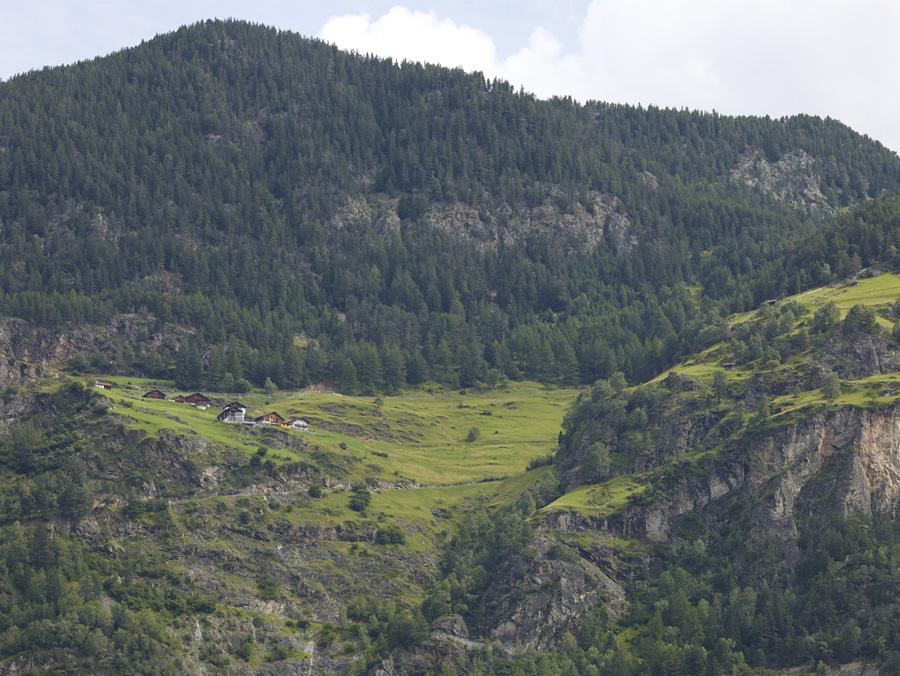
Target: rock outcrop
(576, 225)
(791, 179)
(845, 460)
(29, 352)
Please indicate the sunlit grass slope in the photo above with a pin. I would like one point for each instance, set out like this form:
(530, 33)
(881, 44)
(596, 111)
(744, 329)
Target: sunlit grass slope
(418, 436)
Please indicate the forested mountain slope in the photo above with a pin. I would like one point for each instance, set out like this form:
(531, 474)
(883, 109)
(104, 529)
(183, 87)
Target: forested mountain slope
(313, 215)
(240, 209)
(736, 514)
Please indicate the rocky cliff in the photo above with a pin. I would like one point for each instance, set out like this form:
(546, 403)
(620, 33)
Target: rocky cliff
(29, 353)
(791, 179)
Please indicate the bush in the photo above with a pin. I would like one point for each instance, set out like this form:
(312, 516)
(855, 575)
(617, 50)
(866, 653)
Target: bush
(825, 318)
(860, 319)
(390, 535)
(595, 464)
(542, 461)
(360, 499)
(245, 651)
(315, 491)
(831, 387)
(473, 434)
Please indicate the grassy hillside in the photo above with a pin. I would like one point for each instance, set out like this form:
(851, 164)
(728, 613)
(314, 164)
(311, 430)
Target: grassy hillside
(256, 528)
(417, 437)
(785, 375)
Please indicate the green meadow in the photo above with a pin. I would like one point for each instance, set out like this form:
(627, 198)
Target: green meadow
(417, 437)
(420, 442)
(877, 292)
(414, 450)
(880, 292)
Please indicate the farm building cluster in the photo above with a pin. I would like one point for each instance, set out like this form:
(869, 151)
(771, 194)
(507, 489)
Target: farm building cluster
(233, 412)
(236, 413)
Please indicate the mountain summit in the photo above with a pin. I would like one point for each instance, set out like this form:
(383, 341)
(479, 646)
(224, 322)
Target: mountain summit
(307, 214)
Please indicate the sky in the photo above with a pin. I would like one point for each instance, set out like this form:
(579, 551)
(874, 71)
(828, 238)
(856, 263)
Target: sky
(837, 58)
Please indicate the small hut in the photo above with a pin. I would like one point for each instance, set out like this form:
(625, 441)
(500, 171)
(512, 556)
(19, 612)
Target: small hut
(197, 399)
(270, 418)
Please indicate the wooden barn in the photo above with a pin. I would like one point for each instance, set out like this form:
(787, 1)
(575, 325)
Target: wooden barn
(103, 384)
(197, 399)
(154, 394)
(270, 418)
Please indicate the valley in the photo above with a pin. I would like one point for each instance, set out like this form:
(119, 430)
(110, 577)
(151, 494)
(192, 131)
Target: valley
(273, 534)
(512, 385)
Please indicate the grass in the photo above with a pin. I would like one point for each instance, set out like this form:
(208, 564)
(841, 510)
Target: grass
(599, 499)
(860, 393)
(877, 292)
(874, 291)
(417, 437)
(152, 416)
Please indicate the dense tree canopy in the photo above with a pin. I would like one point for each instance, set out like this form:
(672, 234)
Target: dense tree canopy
(204, 176)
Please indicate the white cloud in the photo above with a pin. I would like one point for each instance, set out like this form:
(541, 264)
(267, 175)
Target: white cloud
(825, 57)
(402, 33)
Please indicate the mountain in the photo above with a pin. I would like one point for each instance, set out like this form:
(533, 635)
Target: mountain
(587, 388)
(736, 514)
(309, 215)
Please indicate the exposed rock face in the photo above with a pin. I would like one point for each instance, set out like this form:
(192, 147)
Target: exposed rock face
(846, 460)
(861, 355)
(27, 352)
(447, 647)
(792, 179)
(359, 212)
(554, 594)
(578, 228)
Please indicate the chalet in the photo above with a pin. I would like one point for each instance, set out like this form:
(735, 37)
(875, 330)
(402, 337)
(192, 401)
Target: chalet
(728, 365)
(103, 384)
(155, 394)
(198, 400)
(298, 424)
(271, 418)
(179, 399)
(232, 414)
(236, 404)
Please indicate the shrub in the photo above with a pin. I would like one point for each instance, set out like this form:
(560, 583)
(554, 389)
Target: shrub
(390, 535)
(245, 651)
(860, 319)
(831, 387)
(595, 464)
(542, 461)
(473, 434)
(825, 318)
(360, 499)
